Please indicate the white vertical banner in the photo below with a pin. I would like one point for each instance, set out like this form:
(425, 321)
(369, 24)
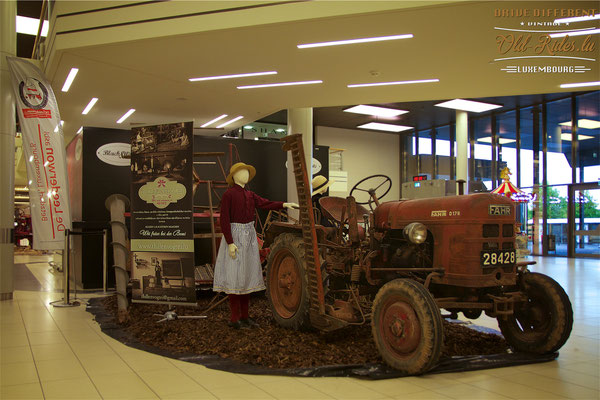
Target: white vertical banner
(44, 149)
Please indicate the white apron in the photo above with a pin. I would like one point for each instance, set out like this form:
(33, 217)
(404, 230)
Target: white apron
(244, 273)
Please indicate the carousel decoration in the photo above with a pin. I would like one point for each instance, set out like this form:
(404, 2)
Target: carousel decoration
(509, 190)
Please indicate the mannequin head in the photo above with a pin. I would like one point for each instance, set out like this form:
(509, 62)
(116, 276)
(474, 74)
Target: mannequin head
(233, 177)
(241, 177)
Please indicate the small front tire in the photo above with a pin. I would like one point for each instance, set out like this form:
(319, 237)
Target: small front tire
(407, 326)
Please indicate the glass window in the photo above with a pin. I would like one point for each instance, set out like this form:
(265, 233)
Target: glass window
(530, 120)
(506, 131)
(588, 133)
(558, 141)
(442, 150)
(482, 129)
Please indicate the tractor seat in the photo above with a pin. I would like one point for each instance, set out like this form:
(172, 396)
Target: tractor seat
(332, 207)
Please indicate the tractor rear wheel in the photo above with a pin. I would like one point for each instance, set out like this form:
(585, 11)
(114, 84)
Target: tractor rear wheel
(407, 326)
(543, 323)
(287, 282)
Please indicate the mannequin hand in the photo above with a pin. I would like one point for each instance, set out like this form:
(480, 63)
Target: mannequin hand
(291, 205)
(232, 250)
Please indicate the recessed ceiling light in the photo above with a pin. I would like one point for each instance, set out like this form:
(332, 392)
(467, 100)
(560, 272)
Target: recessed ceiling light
(353, 41)
(378, 126)
(279, 84)
(212, 121)
(30, 26)
(500, 140)
(90, 105)
(355, 85)
(583, 123)
(126, 115)
(248, 127)
(209, 78)
(69, 80)
(279, 130)
(568, 137)
(580, 84)
(576, 19)
(230, 121)
(468, 105)
(575, 33)
(375, 111)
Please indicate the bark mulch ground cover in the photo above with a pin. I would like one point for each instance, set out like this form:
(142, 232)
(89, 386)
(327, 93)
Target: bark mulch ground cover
(271, 346)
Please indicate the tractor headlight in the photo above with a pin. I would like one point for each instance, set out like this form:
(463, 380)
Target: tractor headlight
(416, 232)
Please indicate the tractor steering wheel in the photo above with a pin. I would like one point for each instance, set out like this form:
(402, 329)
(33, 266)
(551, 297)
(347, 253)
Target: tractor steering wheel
(374, 195)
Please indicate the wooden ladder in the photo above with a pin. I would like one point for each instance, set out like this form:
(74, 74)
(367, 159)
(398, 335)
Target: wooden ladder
(293, 143)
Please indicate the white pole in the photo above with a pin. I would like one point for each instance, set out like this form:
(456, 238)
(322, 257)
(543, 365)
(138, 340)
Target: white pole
(462, 133)
(300, 120)
(8, 43)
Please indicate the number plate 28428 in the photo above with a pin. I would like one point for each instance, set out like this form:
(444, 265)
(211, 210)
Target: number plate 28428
(493, 258)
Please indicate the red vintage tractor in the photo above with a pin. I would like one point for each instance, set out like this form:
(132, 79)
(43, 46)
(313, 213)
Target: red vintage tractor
(399, 263)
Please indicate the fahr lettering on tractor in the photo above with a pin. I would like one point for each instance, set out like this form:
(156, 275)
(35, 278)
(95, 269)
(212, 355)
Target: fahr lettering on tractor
(396, 264)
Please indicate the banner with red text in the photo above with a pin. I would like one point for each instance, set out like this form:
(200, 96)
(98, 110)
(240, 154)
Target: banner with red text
(44, 149)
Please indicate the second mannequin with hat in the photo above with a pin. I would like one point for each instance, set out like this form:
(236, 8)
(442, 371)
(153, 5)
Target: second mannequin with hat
(320, 184)
(238, 271)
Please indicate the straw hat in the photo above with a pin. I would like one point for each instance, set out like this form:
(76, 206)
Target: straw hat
(320, 184)
(238, 166)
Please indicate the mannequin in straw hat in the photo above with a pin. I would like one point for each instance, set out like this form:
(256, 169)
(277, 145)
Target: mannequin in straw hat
(320, 184)
(237, 269)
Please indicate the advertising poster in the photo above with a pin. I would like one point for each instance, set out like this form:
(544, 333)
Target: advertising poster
(44, 148)
(162, 232)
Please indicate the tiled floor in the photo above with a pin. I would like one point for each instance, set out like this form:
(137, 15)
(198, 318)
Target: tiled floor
(60, 353)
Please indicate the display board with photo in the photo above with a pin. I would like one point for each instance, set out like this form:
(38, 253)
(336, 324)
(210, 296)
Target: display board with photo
(162, 236)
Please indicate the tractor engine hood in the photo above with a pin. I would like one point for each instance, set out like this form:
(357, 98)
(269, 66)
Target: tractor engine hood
(473, 208)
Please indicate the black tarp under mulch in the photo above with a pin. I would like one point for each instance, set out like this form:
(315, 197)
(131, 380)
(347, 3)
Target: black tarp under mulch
(273, 350)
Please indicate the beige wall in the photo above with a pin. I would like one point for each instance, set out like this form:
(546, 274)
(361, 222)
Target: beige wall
(366, 153)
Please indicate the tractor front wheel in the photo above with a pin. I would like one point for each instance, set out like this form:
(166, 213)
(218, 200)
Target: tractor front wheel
(287, 282)
(407, 326)
(543, 323)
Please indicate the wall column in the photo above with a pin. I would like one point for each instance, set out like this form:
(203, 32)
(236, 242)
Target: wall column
(8, 44)
(462, 130)
(299, 120)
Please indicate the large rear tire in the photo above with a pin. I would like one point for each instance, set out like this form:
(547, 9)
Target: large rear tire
(543, 323)
(287, 282)
(407, 326)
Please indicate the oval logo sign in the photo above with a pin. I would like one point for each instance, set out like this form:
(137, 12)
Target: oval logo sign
(118, 154)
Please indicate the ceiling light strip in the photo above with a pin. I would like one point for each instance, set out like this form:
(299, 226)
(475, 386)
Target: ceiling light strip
(468, 105)
(355, 85)
(279, 84)
(574, 33)
(353, 41)
(90, 105)
(30, 26)
(576, 19)
(70, 79)
(126, 115)
(230, 121)
(212, 121)
(580, 84)
(375, 111)
(378, 126)
(208, 78)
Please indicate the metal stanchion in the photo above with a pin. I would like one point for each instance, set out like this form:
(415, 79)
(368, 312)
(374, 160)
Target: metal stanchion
(104, 259)
(66, 269)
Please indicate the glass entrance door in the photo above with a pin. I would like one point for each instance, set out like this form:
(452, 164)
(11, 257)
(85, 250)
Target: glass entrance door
(584, 220)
